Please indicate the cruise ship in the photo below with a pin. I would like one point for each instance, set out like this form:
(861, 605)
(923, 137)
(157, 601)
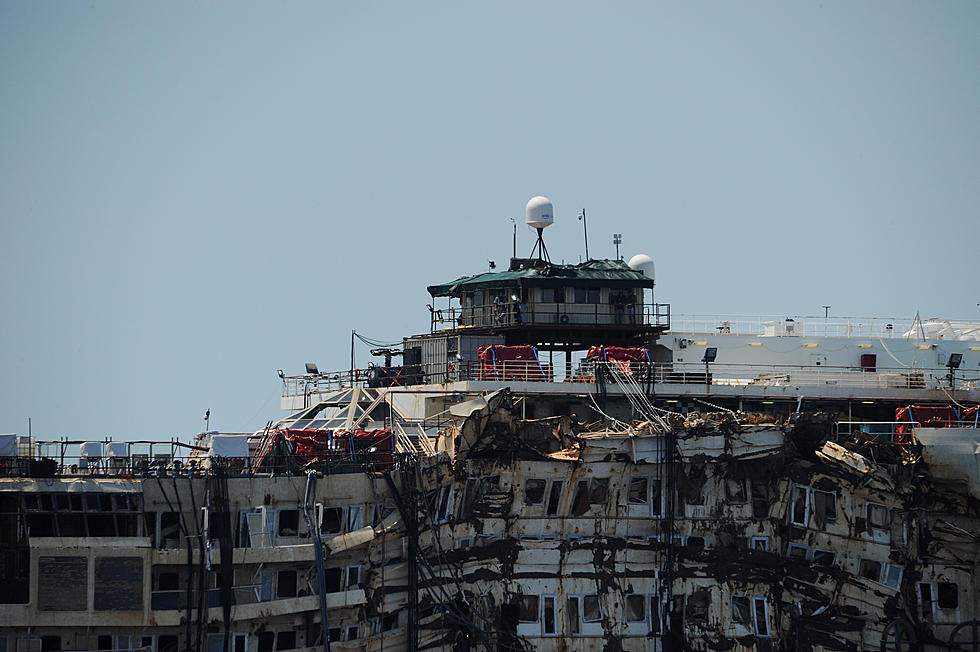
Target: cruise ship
(557, 463)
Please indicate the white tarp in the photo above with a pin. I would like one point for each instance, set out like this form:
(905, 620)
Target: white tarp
(952, 453)
(117, 449)
(91, 449)
(229, 445)
(8, 445)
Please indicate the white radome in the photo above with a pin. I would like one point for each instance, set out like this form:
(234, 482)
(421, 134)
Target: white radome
(540, 212)
(644, 264)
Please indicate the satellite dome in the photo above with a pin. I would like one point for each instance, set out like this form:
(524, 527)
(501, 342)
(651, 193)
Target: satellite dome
(643, 264)
(540, 212)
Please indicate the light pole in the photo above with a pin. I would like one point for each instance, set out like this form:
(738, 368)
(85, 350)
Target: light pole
(826, 311)
(585, 229)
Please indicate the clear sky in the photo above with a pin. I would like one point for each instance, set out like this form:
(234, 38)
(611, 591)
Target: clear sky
(194, 194)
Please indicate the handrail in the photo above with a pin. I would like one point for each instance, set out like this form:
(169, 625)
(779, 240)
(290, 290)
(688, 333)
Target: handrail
(817, 325)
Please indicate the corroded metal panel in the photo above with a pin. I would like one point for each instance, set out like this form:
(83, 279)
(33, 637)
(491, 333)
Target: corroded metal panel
(118, 583)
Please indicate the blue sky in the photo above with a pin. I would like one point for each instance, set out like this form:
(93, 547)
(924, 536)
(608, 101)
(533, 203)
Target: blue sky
(193, 195)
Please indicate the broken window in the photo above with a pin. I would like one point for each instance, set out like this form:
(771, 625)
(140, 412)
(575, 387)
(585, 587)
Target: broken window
(947, 595)
(168, 643)
(353, 632)
(353, 576)
(240, 643)
(823, 557)
(697, 606)
(599, 491)
(333, 634)
(554, 497)
(289, 523)
(800, 505)
(286, 641)
(824, 507)
(893, 576)
(655, 617)
(796, 551)
(168, 582)
(760, 499)
(740, 609)
(870, 569)
(534, 491)
(638, 490)
(590, 609)
(636, 608)
(580, 503)
(760, 543)
(333, 520)
(353, 517)
(571, 610)
(528, 609)
(266, 641)
(877, 516)
(695, 542)
(897, 528)
(286, 584)
(332, 579)
(550, 615)
(925, 599)
(656, 498)
(761, 612)
(735, 491)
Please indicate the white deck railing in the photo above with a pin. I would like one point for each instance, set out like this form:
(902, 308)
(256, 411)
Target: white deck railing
(804, 325)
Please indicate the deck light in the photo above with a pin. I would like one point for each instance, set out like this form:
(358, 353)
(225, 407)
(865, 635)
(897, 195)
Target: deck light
(280, 373)
(311, 368)
(955, 359)
(710, 354)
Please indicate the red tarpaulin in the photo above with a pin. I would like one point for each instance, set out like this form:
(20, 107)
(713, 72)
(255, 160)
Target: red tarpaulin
(619, 354)
(309, 446)
(943, 416)
(498, 362)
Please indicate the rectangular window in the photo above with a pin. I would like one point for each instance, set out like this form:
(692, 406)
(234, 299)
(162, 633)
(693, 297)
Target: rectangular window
(655, 616)
(656, 498)
(286, 584)
(240, 643)
(695, 542)
(353, 576)
(870, 569)
(740, 609)
(823, 557)
(760, 543)
(877, 516)
(333, 520)
(824, 507)
(549, 615)
(286, 641)
(289, 522)
(735, 491)
(639, 490)
(554, 497)
(893, 576)
(796, 551)
(761, 613)
(528, 609)
(445, 504)
(636, 608)
(800, 505)
(353, 632)
(760, 499)
(581, 295)
(948, 595)
(353, 517)
(591, 612)
(925, 600)
(572, 613)
(534, 491)
(547, 295)
(599, 491)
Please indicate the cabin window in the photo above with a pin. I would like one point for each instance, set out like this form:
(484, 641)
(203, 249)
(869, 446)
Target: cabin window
(549, 615)
(761, 613)
(332, 520)
(554, 497)
(240, 643)
(823, 557)
(877, 516)
(638, 490)
(599, 491)
(353, 517)
(334, 634)
(266, 641)
(948, 595)
(800, 505)
(740, 609)
(824, 507)
(286, 584)
(925, 599)
(696, 610)
(353, 576)
(286, 641)
(796, 551)
(893, 576)
(760, 499)
(636, 608)
(736, 491)
(353, 632)
(760, 543)
(655, 617)
(289, 523)
(528, 609)
(695, 542)
(168, 643)
(534, 491)
(870, 569)
(332, 579)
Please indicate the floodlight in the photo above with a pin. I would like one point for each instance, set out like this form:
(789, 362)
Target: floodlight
(280, 373)
(311, 368)
(955, 359)
(710, 354)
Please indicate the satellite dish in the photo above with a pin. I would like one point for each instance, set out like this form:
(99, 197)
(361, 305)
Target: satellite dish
(540, 212)
(643, 264)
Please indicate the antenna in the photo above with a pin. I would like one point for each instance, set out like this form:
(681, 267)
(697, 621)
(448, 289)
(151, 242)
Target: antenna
(585, 228)
(540, 214)
(617, 240)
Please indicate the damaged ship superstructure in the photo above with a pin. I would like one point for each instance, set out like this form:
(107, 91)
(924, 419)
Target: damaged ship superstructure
(713, 489)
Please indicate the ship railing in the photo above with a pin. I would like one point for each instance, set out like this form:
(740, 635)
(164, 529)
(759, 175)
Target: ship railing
(510, 313)
(796, 325)
(896, 431)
